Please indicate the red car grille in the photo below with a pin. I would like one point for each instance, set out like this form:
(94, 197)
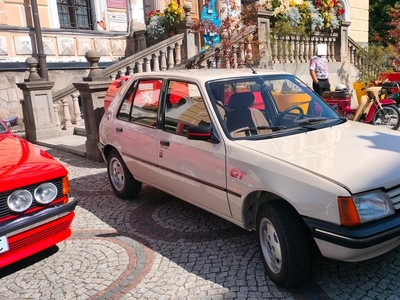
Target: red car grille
(39, 234)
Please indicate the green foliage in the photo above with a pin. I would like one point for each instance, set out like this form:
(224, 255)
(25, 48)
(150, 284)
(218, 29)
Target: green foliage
(379, 21)
(375, 59)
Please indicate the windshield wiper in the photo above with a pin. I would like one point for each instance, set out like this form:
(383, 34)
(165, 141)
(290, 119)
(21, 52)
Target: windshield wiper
(263, 128)
(309, 121)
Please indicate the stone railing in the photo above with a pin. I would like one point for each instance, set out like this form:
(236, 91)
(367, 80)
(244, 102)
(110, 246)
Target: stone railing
(238, 55)
(162, 56)
(368, 69)
(293, 48)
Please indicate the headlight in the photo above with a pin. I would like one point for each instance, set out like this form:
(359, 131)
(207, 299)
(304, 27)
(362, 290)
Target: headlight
(364, 208)
(45, 193)
(19, 200)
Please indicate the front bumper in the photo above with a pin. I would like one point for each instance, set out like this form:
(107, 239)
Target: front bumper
(356, 243)
(33, 233)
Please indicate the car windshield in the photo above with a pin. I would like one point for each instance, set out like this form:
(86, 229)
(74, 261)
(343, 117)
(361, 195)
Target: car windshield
(268, 106)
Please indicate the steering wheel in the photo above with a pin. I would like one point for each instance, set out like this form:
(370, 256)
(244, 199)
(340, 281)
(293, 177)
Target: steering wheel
(287, 110)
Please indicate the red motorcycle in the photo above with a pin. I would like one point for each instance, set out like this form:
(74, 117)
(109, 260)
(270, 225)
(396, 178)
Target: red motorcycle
(371, 109)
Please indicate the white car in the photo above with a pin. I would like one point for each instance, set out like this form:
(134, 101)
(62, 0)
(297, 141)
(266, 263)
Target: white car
(263, 151)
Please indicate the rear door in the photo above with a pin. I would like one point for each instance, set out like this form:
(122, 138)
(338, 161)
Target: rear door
(192, 170)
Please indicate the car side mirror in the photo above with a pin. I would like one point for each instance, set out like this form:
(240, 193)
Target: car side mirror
(201, 133)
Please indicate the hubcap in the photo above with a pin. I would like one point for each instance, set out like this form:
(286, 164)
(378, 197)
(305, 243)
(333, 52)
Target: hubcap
(117, 175)
(271, 248)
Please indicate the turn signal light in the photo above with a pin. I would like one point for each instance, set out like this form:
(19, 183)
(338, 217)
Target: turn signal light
(348, 212)
(65, 185)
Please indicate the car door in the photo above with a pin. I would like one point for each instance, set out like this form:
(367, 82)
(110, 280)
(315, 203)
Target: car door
(136, 129)
(190, 169)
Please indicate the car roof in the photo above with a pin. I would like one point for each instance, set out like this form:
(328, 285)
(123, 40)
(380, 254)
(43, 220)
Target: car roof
(204, 75)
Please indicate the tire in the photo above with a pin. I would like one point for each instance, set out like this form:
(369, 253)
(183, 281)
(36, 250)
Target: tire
(393, 120)
(124, 185)
(283, 244)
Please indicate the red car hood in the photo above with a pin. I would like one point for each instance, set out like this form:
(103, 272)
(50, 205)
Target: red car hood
(22, 163)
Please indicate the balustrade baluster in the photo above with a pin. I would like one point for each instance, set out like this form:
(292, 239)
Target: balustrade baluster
(147, 64)
(274, 49)
(56, 113)
(67, 115)
(291, 48)
(76, 108)
(156, 62)
(163, 59)
(129, 71)
(296, 56)
(301, 49)
(286, 49)
(241, 56)
(234, 56)
(140, 66)
(170, 57)
(249, 51)
(178, 53)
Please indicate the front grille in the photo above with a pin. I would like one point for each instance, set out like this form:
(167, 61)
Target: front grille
(5, 211)
(394, 195)
(40, 236)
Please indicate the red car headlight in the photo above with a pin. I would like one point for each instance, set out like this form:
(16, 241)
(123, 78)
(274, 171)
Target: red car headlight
(45, 193)
(19, 200)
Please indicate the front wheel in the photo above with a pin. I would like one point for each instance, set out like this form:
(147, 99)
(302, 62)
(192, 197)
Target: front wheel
(283, 244)
(122, 182)
(389, 117)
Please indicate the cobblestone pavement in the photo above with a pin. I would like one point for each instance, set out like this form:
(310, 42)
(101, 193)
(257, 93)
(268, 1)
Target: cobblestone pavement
(158, 247)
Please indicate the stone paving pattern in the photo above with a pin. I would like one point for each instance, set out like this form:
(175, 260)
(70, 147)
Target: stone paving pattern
(159, 247)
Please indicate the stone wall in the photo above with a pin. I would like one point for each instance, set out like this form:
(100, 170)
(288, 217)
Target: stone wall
(10, 94)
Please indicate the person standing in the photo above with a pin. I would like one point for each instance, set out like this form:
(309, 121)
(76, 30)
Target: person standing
(319, 70)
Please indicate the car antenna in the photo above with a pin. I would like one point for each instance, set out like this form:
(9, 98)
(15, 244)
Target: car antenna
(254, 71)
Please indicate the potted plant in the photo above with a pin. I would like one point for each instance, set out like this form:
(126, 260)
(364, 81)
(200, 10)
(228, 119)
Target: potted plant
(173, 15)
(155, 26)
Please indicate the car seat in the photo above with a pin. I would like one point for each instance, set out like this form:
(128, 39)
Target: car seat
(242, 116)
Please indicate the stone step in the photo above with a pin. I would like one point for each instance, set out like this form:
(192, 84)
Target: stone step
(80, 130)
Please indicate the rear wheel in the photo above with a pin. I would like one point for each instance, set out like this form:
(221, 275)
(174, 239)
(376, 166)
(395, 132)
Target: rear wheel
(283, 244)
(388, 117)
(122, 182)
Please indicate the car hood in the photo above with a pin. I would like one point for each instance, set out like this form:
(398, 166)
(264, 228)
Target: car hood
(357, 156)
(22, 164)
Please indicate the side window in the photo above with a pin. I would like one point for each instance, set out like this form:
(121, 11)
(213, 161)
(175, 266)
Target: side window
(185, 107)
(125, 109)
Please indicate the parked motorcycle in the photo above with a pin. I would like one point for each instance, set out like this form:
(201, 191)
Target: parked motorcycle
(390, 90)
(371, 109)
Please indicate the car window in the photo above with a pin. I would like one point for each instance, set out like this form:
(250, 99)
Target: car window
(140, 104)
(266, 106)
(2, 128)
(184, 107)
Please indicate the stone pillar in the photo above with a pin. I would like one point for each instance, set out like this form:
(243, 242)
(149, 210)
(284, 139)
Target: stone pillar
(93, 90)
(342, 43)
(3, 15)
(39, 116)
(189, 47)
(264, 36)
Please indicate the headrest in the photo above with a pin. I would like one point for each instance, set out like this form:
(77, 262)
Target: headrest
(241, 100)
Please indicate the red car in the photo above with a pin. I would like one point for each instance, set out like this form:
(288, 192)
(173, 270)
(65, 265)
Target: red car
(35, 208)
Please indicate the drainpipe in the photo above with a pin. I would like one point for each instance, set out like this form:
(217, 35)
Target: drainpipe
(43, 70)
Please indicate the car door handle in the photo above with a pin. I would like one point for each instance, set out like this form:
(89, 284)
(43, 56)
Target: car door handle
(118, 129)
(164, 143)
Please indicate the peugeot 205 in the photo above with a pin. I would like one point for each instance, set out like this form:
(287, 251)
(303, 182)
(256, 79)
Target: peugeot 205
(262, 150)
(36, 210)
